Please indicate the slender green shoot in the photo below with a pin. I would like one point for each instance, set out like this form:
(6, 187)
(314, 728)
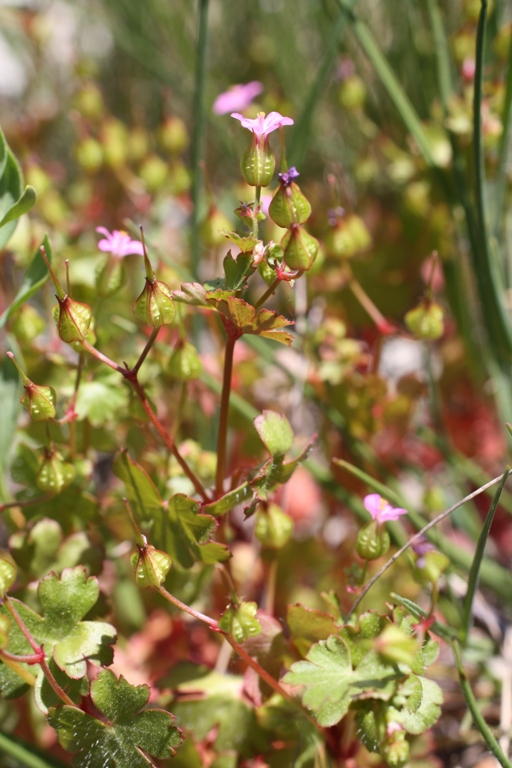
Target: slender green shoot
(197, 138)
(501, 178)
(474, 573)
(472, 704)
(25, 755)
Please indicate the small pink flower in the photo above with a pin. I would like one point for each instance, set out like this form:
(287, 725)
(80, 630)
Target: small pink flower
(237, 97)
(119, 243)
(262, 126)
(380, 509)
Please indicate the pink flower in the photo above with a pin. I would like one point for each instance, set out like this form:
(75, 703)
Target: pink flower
(380, 509)
(237, 97)
(262, 126)
(119, 243)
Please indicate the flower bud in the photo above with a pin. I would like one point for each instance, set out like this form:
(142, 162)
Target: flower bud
(212, 227)
(185, 364)
(289, 206)
(73, 319)
(372, 541)
(395, 749)
(54, 474)
(299, 247)
(151, 566)
(38, 400)
(426, 320)
(258, 163)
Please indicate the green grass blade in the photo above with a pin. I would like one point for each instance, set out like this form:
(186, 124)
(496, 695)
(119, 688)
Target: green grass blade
(475, 712)
(197, 137)
(25, 756)
(474, 573)
(390, 82)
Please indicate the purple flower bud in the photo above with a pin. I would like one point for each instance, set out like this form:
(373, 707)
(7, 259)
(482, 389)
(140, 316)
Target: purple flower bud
(287, 177)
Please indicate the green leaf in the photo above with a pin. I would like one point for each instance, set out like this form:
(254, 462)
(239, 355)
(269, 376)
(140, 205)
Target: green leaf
(307, 745)
(187, 534)
(22, 205)
(67, 640)
(35, 276)
(140, 490)
(422, 707)
(240, 621)
(196, 295)
(327, 676)
(128, 738)
(246, 319)
(222, 708)
(11, 185)
(275, 432)
(101, 399)
(237, 270)
(307, 626)
(341, 669)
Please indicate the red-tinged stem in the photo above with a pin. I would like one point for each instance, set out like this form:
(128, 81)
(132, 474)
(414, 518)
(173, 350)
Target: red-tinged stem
(145, 351)
(39, 653)
(131, 376)
(187, 609)
(268, 293)
(222, 438)
(28, 658)
(27, 502)
(367, 304)
(167, 439)
(103, 358)
(259, 669)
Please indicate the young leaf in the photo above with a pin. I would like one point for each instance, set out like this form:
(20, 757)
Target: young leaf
(22, 205)
(35, 276)
(246, 244)
(238, 270)
(246, 319)
(229, 500)
(275, 432)
(187, 534)
(139, 488)
(11, 184)
(422, 704)
(307, 626)
(127, 739)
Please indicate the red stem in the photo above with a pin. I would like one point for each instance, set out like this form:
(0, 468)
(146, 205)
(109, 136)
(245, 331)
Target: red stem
(222, 437)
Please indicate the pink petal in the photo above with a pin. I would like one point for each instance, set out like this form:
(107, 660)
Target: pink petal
(104, 231)
(391, 513)
(275, 120)
(105, 245)
(237, 97)
(372, 504)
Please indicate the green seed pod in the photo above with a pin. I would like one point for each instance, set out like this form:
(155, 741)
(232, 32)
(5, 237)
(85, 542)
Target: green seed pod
(89, 155)
(151, 566)
(73, 319)
(258, 163)
(54, 474)
(289, 206)
(173, 135)
(7, 576)
(426, 321)
(39, 400)
(154, 305)
(185, 364)
(372, 541)
(299, 247)
(26, 324)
